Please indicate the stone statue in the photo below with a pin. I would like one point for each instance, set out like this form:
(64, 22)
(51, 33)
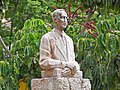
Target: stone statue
(57, 59)
(57, 56)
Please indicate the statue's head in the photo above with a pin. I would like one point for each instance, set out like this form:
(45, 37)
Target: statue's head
(60, 18)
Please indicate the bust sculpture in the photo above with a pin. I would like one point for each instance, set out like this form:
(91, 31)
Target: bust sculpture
(57, 59)
(57, 56)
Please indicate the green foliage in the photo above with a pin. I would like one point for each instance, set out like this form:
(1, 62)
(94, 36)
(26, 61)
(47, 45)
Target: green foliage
(7, 79)
(104, 7)
(98, 56)
(25, 48)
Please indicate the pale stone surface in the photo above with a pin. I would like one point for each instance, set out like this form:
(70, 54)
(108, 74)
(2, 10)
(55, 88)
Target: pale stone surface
(57, 73)
(63, 83)
(51, 73)
(41, 84)
(74, 83)
(57, 59)
(86, 84)
(50, 84)
(57, 49)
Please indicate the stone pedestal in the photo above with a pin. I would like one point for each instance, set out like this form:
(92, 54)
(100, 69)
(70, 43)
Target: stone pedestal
(52, 80)
(60, 83)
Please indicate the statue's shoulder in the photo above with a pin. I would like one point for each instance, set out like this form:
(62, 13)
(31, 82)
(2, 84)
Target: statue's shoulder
(48, 35)
(69, 38)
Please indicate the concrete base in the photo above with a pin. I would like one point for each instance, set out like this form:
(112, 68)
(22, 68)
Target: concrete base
(60, 83)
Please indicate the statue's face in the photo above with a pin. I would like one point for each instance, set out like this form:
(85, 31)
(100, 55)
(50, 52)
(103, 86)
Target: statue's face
(62, 20)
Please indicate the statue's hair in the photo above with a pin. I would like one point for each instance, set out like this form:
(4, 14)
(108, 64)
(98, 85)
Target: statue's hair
(57, 12)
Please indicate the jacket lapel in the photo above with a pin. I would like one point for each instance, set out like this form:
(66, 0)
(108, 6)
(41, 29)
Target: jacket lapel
(61, 48)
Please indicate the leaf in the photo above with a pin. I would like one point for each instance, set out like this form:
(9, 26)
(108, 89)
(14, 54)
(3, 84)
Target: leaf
(29, 64)
(117, 42)
(99, 27)
(4, 68)
(27, 25)
(18, 34)
(118, 25)
(89, 74)
(99, 1)
(107, 26)
(26, 50)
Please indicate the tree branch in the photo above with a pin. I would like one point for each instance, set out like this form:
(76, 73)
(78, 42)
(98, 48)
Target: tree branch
(4, 46)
